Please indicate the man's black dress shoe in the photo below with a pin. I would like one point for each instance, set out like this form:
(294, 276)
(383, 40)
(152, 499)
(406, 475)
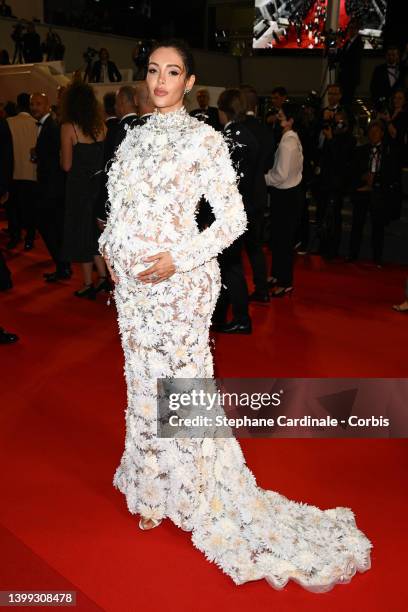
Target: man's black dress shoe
(28, 245)
(6, 337)
(279, 293)
(233, 327)
(7, 285)
(258, 296)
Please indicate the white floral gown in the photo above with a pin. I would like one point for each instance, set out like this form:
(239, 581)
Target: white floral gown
(203, 485)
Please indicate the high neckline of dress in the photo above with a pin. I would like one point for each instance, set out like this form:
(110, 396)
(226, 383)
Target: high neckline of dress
(172, 120)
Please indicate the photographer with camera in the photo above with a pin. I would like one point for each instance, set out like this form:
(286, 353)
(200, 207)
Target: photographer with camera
(17, 36)
(376, 189)
(387, 78)
(53, 47)
(349, 58)
(140, 56)
(32, 45)
(332, 172)
(395, 116)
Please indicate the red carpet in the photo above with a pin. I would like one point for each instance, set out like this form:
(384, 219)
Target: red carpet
(63, 526)
(291, 43)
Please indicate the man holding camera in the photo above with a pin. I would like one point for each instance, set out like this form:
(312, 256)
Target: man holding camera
(376, 189)
(387, 78)
(349, 59)
(332, 177)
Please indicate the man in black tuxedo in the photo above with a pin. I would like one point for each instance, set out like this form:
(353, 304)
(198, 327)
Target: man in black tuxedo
(32, 45)
(334, 95)
(104, 70)
(387, 77)
(126, 111)
(376, 188)
(256, 212)
(51, 183)
(349, 57)
(6, 175)
(111, 122)
(127, 100)
(244, 151)
(204, 112)
(145, 106)
(5, 9)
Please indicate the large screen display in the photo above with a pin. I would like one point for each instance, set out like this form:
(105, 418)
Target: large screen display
(301, 24)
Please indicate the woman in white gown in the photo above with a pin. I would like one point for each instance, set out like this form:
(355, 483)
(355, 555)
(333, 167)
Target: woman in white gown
(160, 172)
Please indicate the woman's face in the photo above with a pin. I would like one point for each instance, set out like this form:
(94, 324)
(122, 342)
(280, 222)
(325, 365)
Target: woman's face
(286, 124)
(166, 79)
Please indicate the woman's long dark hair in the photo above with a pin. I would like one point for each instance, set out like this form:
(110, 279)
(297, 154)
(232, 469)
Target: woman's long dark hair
(80, 106)
(292, 111)
(182, 49)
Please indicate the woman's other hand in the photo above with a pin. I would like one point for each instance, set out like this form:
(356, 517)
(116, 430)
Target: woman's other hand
(113, 275)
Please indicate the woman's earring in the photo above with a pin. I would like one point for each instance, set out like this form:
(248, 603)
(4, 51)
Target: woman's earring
(187, 91)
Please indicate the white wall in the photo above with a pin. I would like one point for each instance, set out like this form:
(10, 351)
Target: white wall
(298, 73)
(211, 67)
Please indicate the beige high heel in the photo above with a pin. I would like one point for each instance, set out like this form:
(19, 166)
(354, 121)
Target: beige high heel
(143, 523)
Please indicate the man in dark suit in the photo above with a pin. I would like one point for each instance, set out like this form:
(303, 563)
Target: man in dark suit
(145, 106)
(349, 57)
(387, 77)
(253, 237)
(244, 151)
(5, 9)
(126, 111)
(206, 113)
(51, 182)
(104, 70)
(111, 122)
(126, 107)
(6, 175)
(375, 188)
(32, 45)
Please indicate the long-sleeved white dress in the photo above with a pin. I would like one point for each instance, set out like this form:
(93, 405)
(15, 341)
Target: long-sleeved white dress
(203, 485)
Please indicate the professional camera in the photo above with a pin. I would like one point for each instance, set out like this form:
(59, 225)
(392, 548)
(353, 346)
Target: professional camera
(89, 55)
(383, 107)
(313, 100)
(331, 47)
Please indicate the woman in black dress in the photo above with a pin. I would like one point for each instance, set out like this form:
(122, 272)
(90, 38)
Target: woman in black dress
(82, 136)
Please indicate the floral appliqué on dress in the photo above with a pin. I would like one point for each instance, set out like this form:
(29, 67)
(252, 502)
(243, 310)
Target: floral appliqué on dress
(160, 172)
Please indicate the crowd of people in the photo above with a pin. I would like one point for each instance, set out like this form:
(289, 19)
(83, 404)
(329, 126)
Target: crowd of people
(54, 163)
(28, 47)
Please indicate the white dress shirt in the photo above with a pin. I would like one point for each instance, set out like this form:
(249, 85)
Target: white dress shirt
(288, 166)
(104, 74)
(393, 74)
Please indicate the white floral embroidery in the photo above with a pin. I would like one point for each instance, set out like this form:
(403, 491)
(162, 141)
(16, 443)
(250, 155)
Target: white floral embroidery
(203, 485)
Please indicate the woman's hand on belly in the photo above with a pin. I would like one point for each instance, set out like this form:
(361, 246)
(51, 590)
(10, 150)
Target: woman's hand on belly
(162, 268)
